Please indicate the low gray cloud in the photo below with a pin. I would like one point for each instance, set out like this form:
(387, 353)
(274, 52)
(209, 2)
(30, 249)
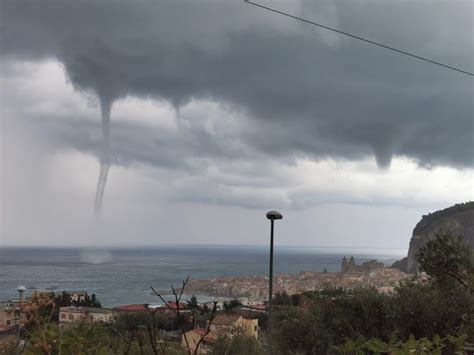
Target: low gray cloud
(306, 91)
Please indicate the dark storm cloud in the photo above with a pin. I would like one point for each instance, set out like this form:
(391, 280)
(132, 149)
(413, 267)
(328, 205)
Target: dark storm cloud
(308, 92)
(135, 143)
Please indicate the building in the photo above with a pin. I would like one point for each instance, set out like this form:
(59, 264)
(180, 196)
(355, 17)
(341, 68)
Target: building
(250, 327)
(91, 314)
(366, 266)
(233, 324)
(9, 313)
(143, 307)
(194, 336)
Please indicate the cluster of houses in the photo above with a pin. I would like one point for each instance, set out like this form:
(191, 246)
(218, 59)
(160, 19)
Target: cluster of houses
(242, 321)
(221, 325)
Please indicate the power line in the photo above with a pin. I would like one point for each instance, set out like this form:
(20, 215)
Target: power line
(359, 38)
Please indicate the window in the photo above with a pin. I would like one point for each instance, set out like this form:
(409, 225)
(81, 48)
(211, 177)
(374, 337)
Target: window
(63, 315)
(71, 316)
(255, 328)
(9, 321)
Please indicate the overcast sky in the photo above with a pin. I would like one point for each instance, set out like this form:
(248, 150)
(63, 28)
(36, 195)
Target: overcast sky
(222, 111)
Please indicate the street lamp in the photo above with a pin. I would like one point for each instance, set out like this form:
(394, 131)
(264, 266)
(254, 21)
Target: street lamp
(20, 290)
(272, 216)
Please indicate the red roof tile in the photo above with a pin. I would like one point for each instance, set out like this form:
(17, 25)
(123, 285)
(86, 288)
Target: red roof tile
(131, 308)
(174, 305)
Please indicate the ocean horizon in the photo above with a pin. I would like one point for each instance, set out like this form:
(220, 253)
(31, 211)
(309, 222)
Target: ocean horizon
(123, 275)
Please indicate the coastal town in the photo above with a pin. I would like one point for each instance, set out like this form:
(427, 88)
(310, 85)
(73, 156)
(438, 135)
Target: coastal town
(240, 302)
(254, 289)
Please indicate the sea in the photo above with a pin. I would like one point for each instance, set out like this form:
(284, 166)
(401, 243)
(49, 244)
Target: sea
(124, 275)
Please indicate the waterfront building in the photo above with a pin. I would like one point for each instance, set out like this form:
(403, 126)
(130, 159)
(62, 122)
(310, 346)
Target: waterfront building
(91, 314)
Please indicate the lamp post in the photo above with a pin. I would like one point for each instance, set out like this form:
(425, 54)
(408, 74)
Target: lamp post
(20, 290)
(272, 216)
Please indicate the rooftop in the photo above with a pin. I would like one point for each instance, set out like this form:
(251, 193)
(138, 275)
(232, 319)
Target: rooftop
(73, 309)
(225, 319)
(174, 305)
(131, 308)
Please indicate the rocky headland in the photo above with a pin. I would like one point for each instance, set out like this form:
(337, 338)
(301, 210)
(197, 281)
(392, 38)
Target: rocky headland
(457, 220)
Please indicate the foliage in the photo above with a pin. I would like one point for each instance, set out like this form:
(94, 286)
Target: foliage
(11, 345)
(237, 345)
(448, 261)
(93, 338)
(205, 309)
(193, 303)
(180, 318)
(47, 305)
(329, 317)
(425, 310)
(88, 301)
(420, 308)
(436, 346)
(282, 299)
(229, 306)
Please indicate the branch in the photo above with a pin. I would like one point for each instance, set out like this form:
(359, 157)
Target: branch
(129, 343)
(177, 298)
(456, 277)
(152, 335)
(214, 307)
(152, 342)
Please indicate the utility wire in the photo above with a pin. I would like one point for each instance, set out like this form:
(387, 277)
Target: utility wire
(359, 38)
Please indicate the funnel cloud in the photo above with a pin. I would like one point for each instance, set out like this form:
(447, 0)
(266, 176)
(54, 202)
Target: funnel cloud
(105, 107)
(224, 105)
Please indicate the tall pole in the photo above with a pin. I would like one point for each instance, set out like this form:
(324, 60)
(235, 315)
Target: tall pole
(272, 215)
(270, 289)
(20, 290)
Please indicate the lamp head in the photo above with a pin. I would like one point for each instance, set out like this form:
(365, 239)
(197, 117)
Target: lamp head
(21, 289)
(272, 215)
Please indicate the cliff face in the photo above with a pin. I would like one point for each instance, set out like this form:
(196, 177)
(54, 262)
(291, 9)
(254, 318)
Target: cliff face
(457, 220)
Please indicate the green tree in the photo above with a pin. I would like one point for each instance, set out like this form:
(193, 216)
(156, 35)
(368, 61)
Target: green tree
(282, 298)
(229, 306)
(237, 345)
(448, 260)
(205, 309)
(193, 303)
(426, 310)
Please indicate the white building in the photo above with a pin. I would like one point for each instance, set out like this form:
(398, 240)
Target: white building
(91, 314)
